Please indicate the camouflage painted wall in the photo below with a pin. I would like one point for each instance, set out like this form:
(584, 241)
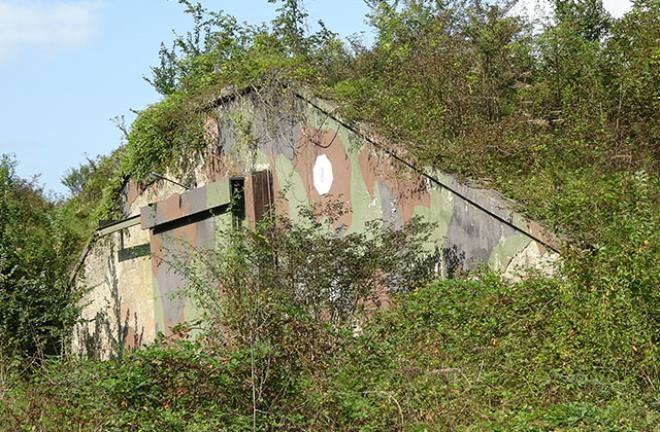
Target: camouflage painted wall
(134, 274)
(309, 157)
(315, 159)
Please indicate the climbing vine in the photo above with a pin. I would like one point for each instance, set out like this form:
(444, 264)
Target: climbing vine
(220, 56)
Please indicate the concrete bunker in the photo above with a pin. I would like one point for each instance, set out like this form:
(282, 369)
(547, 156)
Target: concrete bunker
(311, 158)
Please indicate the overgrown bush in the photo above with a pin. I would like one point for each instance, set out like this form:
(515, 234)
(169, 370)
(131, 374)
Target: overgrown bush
(37, 246)
(281, 350)
(312, 264)
(488, 355)
(545, 115)
(285, 292)
(539, 355)
(562, 117)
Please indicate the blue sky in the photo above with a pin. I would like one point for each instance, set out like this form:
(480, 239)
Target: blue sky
(68, 66)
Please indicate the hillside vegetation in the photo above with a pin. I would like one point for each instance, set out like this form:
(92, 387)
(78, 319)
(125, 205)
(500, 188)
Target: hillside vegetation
(563, 117)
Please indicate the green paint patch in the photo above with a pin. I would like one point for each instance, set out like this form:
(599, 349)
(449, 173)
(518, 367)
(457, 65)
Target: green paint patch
(217, 193)
(439, 214)
(159, 312)
(508, 247)
(133, 252)
(365, 207)
(291, 185)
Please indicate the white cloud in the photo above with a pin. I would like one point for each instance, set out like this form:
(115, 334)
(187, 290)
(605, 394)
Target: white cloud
(617, 7)
(541, 10)
(28, 24)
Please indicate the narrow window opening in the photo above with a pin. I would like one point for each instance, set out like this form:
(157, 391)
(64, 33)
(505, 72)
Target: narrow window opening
(262, 187)
(237, 188)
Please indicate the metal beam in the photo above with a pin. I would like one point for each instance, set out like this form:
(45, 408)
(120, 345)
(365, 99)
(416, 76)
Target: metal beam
(117, 226)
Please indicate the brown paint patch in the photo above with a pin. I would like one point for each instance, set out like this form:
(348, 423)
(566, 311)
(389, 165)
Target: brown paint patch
(182, 237)
(168, 209)
(172, 208)
(155, 247)
(133, 192)
(409, 189)
(314, 143)
(214, 166)
(133, 339)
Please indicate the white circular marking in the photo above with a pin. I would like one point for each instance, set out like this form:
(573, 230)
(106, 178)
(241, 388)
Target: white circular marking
(323, 174)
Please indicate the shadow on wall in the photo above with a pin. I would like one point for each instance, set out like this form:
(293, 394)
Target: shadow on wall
(108, 333)
(453, 262)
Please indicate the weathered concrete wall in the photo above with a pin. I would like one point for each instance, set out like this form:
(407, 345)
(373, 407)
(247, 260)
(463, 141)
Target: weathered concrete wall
(179, 226)
(316, 159)
(310, 158)
(134, 276)
(119, 305)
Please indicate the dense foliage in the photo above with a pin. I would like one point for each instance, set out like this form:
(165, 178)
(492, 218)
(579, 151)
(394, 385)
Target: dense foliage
(287, 262)
(219, 53)
(37, 246)
(547, 114)
(471, 89)
(457, 355)
(564, 117)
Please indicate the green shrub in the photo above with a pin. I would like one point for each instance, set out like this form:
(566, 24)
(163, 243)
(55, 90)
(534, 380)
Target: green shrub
(37, 247)
(481, 354)
(563, 118)
(488, 355)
